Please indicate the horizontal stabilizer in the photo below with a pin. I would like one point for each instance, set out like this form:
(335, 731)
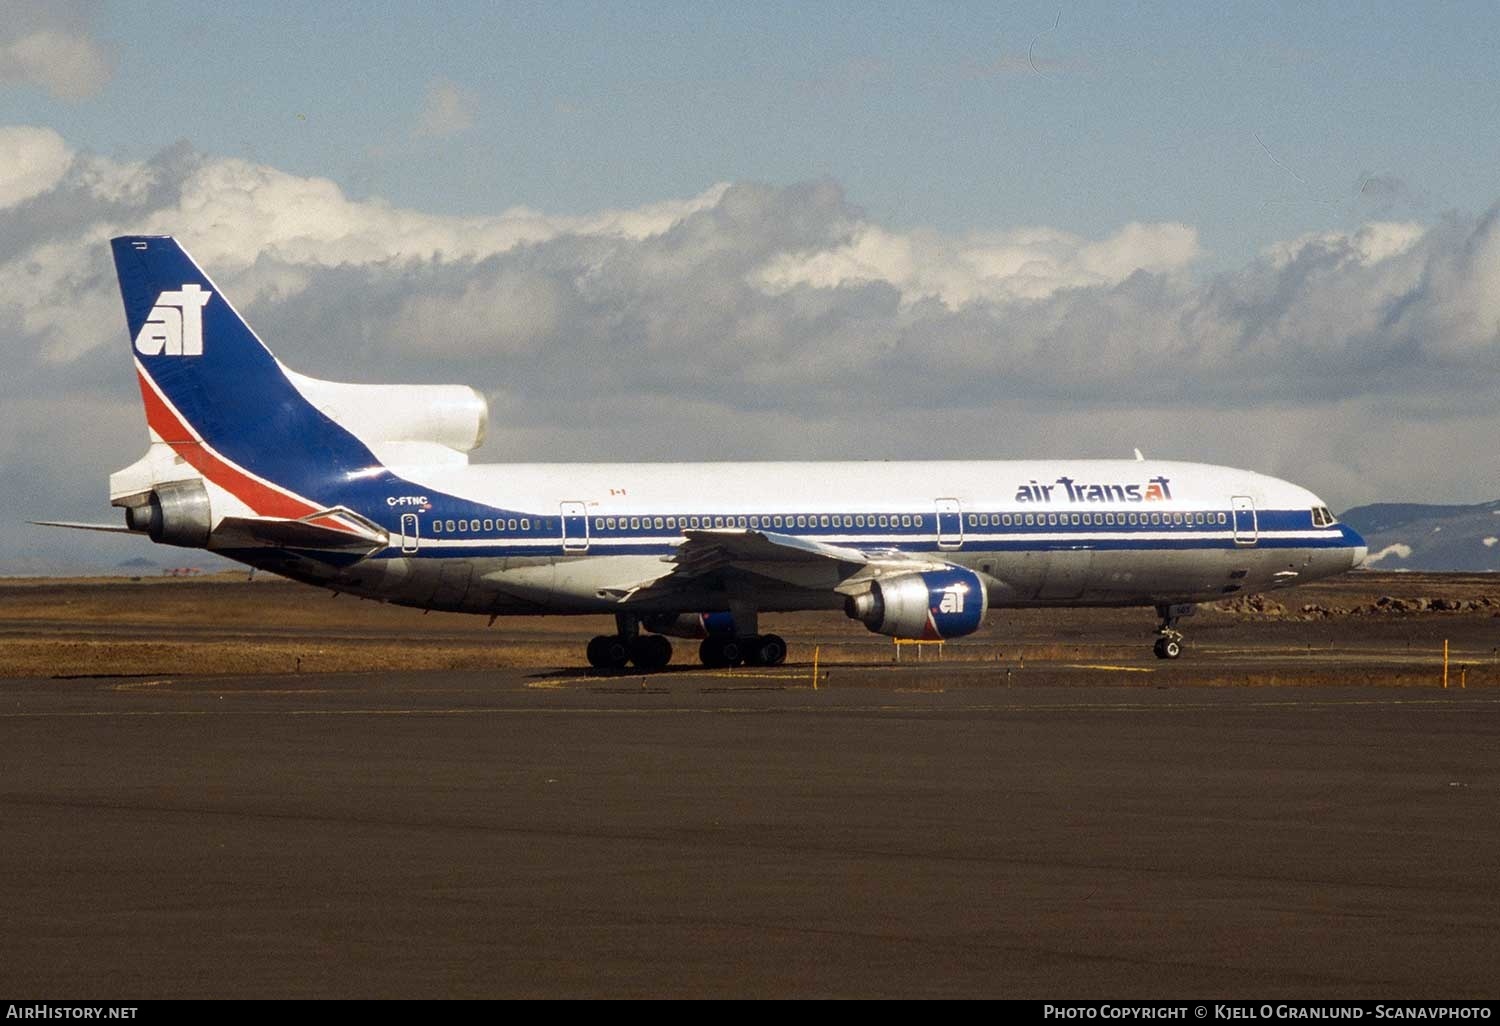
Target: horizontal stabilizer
(354, 534)
(111, 528)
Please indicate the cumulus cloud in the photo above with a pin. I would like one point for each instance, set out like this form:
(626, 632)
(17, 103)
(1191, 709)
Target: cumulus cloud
(757, 321)
(36, 162)
(1031, 263)
(51, 46)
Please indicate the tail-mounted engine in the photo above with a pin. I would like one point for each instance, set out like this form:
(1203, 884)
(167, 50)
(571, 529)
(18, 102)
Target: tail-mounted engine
(931, 606)
(174, 514)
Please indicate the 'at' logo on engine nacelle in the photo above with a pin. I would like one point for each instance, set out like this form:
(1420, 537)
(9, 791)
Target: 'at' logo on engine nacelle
(175, 324)
(953, 599)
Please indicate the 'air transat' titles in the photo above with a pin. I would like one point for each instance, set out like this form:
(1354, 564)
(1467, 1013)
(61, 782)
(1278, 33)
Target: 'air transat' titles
(1157, 489)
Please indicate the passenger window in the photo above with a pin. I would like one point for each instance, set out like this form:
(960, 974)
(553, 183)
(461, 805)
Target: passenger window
(525, 524)
(657, 523)
(437, 527)
(510, 525)
(452, 526)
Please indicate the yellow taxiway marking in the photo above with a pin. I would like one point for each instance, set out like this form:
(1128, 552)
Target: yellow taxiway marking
(136, 685)
(1103, 666)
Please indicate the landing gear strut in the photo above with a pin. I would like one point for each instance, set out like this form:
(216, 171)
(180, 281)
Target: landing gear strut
(1169, 638)
(613, 651)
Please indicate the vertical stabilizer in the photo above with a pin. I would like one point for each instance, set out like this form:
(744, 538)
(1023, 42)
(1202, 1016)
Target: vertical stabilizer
(215, 394)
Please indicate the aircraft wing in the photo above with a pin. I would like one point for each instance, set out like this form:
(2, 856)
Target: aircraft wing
(800, 562)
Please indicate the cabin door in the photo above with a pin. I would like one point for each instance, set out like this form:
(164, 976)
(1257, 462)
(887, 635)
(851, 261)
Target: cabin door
(950, 518)
(1246, 523)
(575, 527)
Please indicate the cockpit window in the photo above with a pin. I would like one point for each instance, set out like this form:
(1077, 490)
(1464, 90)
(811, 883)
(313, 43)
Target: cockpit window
(1321, 517)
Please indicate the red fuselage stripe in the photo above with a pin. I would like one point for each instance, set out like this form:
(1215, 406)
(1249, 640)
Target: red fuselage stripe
(264, 500)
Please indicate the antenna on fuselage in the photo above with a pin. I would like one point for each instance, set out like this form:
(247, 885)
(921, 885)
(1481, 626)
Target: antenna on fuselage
(1138, 457)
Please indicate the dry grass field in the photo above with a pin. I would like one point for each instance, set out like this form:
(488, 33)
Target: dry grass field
(1366, 628)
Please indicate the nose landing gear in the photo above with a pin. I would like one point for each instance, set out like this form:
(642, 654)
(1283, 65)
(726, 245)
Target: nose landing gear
(1169, 639)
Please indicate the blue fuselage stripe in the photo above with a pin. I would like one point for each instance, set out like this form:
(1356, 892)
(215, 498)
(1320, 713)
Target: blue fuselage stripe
(1277, 529)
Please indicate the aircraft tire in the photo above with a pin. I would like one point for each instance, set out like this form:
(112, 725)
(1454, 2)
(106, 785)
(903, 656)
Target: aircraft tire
(708, 653)
(1167, 648)
(608, 652)
(650, 652)
(719, 652)
(770, 650)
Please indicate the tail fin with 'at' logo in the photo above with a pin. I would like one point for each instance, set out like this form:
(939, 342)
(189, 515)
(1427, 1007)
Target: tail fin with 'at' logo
(235, 431)
(215, 394)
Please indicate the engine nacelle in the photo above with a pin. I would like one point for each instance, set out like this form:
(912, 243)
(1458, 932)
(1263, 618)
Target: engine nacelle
(454, 416)
(174, 514)
(931, 606)
(689, 625)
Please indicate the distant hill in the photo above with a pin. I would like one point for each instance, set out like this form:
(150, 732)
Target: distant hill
(1414, 536)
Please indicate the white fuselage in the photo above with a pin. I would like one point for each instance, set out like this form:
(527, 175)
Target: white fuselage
(575, 538)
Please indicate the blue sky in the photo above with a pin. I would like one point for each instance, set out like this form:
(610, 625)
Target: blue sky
(1264, 235)
(1254, 122)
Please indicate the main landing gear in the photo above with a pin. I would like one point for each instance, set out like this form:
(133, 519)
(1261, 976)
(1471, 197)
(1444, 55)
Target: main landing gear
(722, 650)
(1169, 638)
(613, 651)
(650, 652)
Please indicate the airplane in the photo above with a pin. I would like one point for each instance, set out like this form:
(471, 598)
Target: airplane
(368, 489)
